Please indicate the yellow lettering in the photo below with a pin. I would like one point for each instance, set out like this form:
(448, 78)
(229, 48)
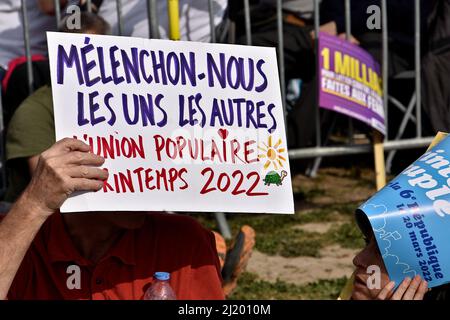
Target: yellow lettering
(326, 58)
(342, 64)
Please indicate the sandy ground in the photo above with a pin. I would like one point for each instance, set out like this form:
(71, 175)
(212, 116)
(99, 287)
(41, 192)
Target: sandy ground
(335, 262)
(319, 227)
(335, 186)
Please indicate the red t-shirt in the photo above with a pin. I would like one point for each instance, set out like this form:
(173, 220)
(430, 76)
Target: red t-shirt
(167, 242)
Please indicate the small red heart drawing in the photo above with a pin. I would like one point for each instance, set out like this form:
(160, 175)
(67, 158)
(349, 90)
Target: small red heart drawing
(223, 133)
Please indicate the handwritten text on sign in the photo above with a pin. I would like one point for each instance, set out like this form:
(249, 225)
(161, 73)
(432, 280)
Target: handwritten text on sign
(183, 126)
(350, 81)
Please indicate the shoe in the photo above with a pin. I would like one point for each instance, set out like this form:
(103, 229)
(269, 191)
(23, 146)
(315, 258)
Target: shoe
(221, 248)
(237, 258)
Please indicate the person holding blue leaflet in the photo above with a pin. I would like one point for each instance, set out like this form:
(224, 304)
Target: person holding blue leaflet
(367, 287)
(406, 225)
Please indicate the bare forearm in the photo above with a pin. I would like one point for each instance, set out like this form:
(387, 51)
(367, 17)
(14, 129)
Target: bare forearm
(66, 167)
(17, 231)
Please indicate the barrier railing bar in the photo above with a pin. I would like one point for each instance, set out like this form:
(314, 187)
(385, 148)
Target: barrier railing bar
(385, 62)
(402, 108)
(348, 32)
(315, 152)
(219, 216)
(306, 152)
(57, 13)
(418, 71)
(248, 26)
(119, 17)
(401, 130)
(152, 19)
(223, 225)
(173, 10)
(316, 31)
(348, 20)
(281, 56)
(211, 22)
(26, 37)
(149, 19)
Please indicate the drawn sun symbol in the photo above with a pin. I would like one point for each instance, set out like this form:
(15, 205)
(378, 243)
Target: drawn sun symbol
(272, 152)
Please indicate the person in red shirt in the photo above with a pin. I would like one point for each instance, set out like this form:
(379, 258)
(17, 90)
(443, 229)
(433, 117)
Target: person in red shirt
(48, 255)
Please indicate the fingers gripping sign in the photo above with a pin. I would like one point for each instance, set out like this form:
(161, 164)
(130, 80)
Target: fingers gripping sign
(66, 167)
(66, 145)
(409, 289)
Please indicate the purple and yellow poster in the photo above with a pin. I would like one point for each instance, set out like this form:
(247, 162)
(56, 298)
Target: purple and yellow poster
(350, 81)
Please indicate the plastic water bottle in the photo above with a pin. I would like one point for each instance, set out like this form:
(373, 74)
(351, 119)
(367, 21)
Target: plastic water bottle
(160, 289)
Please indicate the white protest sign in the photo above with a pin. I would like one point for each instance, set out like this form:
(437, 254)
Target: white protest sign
(183, 126)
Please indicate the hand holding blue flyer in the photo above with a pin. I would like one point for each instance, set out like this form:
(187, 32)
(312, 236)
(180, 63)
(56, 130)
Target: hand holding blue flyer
(410, 219)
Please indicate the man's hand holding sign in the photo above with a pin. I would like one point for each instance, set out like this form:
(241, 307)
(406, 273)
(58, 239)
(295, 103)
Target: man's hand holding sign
(63, 169)
(66, 167)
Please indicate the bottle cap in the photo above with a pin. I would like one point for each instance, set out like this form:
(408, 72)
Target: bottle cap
(162, 275)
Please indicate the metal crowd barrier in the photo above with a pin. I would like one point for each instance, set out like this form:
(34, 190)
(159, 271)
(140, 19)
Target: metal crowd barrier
(390, 145)
(320, 150)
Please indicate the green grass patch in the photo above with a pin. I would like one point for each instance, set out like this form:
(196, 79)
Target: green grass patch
(290, 242)
(276, 234)
(250, 287)
(347, 235)
(310, 194)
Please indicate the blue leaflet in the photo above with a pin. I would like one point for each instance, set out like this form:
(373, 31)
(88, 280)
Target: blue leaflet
(410, 219)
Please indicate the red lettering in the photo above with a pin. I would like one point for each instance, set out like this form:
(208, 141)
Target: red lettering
(215, 151)
(205, 188)
(223, 176)
(250, 192)
(148, 179)
(181, 144)
(108, 148)
(173, 174)
(159, 145)
(202, 148)
(236, 189)
(161, 175)
(248, 152)
(182, 171)
(170, 143)
(126, 181)
(138, 172)
(235, 147)
(106, 186)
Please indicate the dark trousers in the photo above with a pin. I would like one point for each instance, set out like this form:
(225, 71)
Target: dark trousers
(300, 63)
(2, 145)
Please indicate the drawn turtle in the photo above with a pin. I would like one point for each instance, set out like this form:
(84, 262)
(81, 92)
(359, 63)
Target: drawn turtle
(275, 178)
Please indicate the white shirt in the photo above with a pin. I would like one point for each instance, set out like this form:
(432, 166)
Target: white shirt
(12, 43)
(194, 18)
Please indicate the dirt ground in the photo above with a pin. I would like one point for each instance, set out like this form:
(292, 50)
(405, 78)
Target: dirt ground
(335, 262)
(331, 187)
